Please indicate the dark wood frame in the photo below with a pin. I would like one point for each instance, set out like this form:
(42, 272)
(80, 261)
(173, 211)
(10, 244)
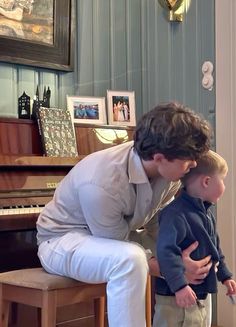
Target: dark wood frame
(59, 56)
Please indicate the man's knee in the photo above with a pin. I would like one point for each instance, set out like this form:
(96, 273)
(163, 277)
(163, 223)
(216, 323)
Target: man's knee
(134, 256)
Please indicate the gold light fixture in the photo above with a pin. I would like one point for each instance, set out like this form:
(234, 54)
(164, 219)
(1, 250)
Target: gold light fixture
(176, 8)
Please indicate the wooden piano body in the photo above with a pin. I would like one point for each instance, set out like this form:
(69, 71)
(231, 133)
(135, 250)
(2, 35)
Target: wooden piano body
(27, 183)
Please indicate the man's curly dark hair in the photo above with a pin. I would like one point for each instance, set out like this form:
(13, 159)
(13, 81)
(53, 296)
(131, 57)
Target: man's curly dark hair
(174, 130)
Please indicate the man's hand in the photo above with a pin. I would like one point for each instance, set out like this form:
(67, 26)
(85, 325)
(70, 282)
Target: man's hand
(195, 271)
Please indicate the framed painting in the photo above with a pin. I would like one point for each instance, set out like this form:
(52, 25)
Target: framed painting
(87, 110)
(121, 108)
(37, 33)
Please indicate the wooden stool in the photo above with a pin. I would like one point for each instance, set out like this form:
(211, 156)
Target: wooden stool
(37, 288)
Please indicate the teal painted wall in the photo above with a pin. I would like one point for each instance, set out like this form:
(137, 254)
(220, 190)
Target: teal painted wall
(127, 45)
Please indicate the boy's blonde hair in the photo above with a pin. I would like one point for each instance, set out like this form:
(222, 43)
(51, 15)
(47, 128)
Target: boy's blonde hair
(208, 164)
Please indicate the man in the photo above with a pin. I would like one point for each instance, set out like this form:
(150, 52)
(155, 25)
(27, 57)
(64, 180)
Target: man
(85, 232)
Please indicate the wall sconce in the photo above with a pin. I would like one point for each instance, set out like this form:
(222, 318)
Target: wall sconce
(111, 136)
(176, 8)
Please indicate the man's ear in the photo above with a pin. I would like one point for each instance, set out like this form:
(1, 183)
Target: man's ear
(158, 157)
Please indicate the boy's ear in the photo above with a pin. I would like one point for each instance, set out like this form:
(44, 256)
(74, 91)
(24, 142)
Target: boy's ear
(157, 157)
(205, 180)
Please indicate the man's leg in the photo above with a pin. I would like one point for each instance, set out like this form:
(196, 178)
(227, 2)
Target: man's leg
(121, 264)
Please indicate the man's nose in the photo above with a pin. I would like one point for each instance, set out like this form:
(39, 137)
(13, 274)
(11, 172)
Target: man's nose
(193, 164)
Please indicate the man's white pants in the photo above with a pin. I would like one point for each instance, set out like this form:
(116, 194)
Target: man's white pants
(122, 265)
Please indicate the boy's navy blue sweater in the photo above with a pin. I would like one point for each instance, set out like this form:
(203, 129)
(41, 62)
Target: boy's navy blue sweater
(183, 221)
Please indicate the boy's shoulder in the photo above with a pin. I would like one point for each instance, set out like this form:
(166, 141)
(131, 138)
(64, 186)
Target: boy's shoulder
(176, 204)
(176, 208)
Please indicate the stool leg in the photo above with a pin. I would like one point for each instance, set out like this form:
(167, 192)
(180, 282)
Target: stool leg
(4, 309)
(148, 302)
(48, 312)
(14, 313)
(99, 312)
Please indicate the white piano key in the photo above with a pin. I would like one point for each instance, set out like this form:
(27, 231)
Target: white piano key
(22, 210)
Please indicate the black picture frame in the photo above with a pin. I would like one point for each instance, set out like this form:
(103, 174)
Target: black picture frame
(58, 56)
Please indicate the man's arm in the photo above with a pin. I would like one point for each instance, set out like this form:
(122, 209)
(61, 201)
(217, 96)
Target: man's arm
(103, 212)
(195, 271)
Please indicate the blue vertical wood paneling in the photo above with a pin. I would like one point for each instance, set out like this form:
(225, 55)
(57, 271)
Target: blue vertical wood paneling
(118, 42)
(27, 80)
(134, 52)
(101, 53)
(152, 55)
(192, 82)
(8, 90)
(207, 31)
(85, 48)
(163, 68)
(143, 104)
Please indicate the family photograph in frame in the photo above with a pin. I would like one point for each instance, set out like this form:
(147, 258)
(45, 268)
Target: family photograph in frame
(87, 110)
(121, 108)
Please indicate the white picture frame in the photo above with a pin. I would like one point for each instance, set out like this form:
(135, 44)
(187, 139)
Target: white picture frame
(121, 108)
(87, 109)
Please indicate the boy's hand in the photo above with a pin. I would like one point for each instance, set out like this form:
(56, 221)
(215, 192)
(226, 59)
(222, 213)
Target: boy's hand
(195, 271)
(185, 297)
(231, 286)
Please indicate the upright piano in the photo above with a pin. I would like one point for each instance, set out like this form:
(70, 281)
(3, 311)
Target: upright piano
(27, 184)
(28, 180)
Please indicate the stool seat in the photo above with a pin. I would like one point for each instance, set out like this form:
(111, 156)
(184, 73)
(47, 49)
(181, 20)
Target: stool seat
(37, 288)
(37, 278)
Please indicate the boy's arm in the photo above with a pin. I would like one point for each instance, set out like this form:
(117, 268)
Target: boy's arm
(223, 273)
(172, 233)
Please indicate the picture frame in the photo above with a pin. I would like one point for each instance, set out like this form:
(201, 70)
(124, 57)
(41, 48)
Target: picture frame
(87, 110)
(57, 55)
(121, 108)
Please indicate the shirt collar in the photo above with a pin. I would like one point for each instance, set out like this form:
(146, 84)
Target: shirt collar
(136, 171)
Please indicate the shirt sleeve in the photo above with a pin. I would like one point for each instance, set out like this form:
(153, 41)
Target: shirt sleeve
(103, 212)
(169, 254)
